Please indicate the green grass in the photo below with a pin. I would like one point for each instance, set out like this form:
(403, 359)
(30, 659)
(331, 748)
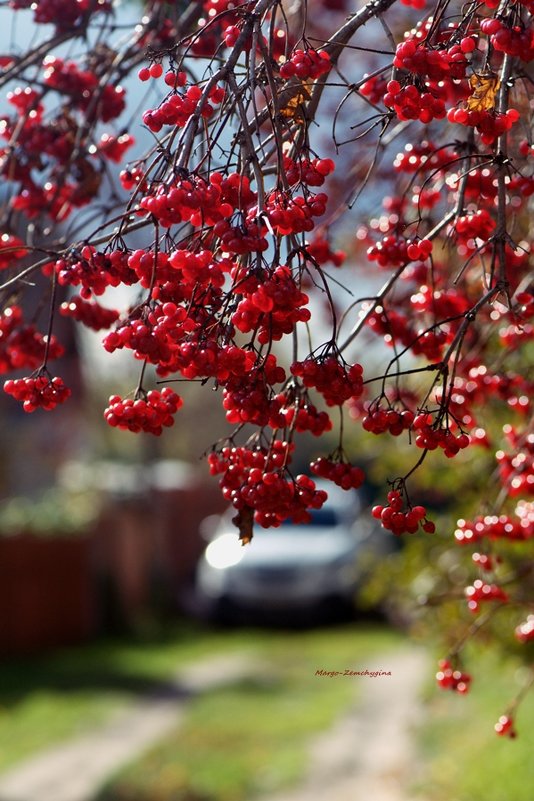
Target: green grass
(251, 737)
(464, 759)
(48, 699)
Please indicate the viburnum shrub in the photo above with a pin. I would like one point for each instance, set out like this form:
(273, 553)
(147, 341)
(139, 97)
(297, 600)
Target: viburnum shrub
(249, 232)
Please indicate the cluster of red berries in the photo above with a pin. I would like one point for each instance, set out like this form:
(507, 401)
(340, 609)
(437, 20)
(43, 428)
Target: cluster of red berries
(36, 392)
(378, 420)
(411, 104)
(421, 158)
(245, 237)
(484, 561)
(94, 271)
(298, 414)
(494, 527)
(177, 108)
(256, 479)
(191, 199)
(433, 63)
(305, 64)
(21, 345)
(293, 215)
(113, 148)
(321, 252)
(396, 327)
(330, 378)
(391, 251)
(515, 41)
(82, 86)
(516, 470)
(525, 631)
(394, 518)
(64, 14)
(505, 727)
(272, 305)
(444, 304)
(450, 678)
(311, 172)
(480, 591)
(11, 250)
(374, 88)
(151, 414)
(132, 178)
(89, 313)
(490, 124)
(429, 437)
(343, 474)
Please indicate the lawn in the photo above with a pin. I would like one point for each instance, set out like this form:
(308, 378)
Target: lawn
(251, 737)
(49, 699)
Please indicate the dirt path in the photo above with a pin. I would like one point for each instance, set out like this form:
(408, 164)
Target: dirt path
(74, 771)
(369, 754)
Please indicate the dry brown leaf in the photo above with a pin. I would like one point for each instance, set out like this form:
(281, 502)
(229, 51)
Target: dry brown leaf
(485, 86)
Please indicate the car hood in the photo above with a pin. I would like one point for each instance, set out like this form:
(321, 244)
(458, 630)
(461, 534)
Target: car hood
(296, 548)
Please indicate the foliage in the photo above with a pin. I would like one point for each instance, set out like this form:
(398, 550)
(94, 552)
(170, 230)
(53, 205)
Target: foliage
(224, 231)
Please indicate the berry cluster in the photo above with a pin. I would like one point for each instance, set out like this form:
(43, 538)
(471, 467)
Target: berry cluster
(256, 479)
(391, 251)
(64, 14)
(178, 108)
(525, 631)
(305, 64)
(480, 591)
(298, 414)
(21, 345)
(311, 172)
(432, 63)
(378, 420)
(321, 252)
(11, 250)
(330, 378)
(495, 527)
(36, 392)
(341, 473)
(409, 103)
(393, 517)
(191, 199)
(490, 124)
(515, 41)
(150, 414)
(293, 215)
(516, 470)
(82, 88)
(450, 678)
(271, 305)
(429, 436)
(89, 313)
(505, 727)
(113, 148)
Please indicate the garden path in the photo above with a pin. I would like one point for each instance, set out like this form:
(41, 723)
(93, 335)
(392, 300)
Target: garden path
(368, 754)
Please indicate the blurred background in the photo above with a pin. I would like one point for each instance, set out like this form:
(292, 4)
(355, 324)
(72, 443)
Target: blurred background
(143, 658)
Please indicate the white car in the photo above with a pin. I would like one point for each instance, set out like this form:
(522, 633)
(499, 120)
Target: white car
(294, 568)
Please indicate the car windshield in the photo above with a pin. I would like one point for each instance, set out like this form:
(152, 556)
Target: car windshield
(323, 517)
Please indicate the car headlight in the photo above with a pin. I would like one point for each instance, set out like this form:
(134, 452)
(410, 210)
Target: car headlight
(225, 551)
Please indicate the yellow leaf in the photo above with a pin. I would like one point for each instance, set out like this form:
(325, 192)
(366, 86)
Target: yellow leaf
(484, 86)
(293, 100)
